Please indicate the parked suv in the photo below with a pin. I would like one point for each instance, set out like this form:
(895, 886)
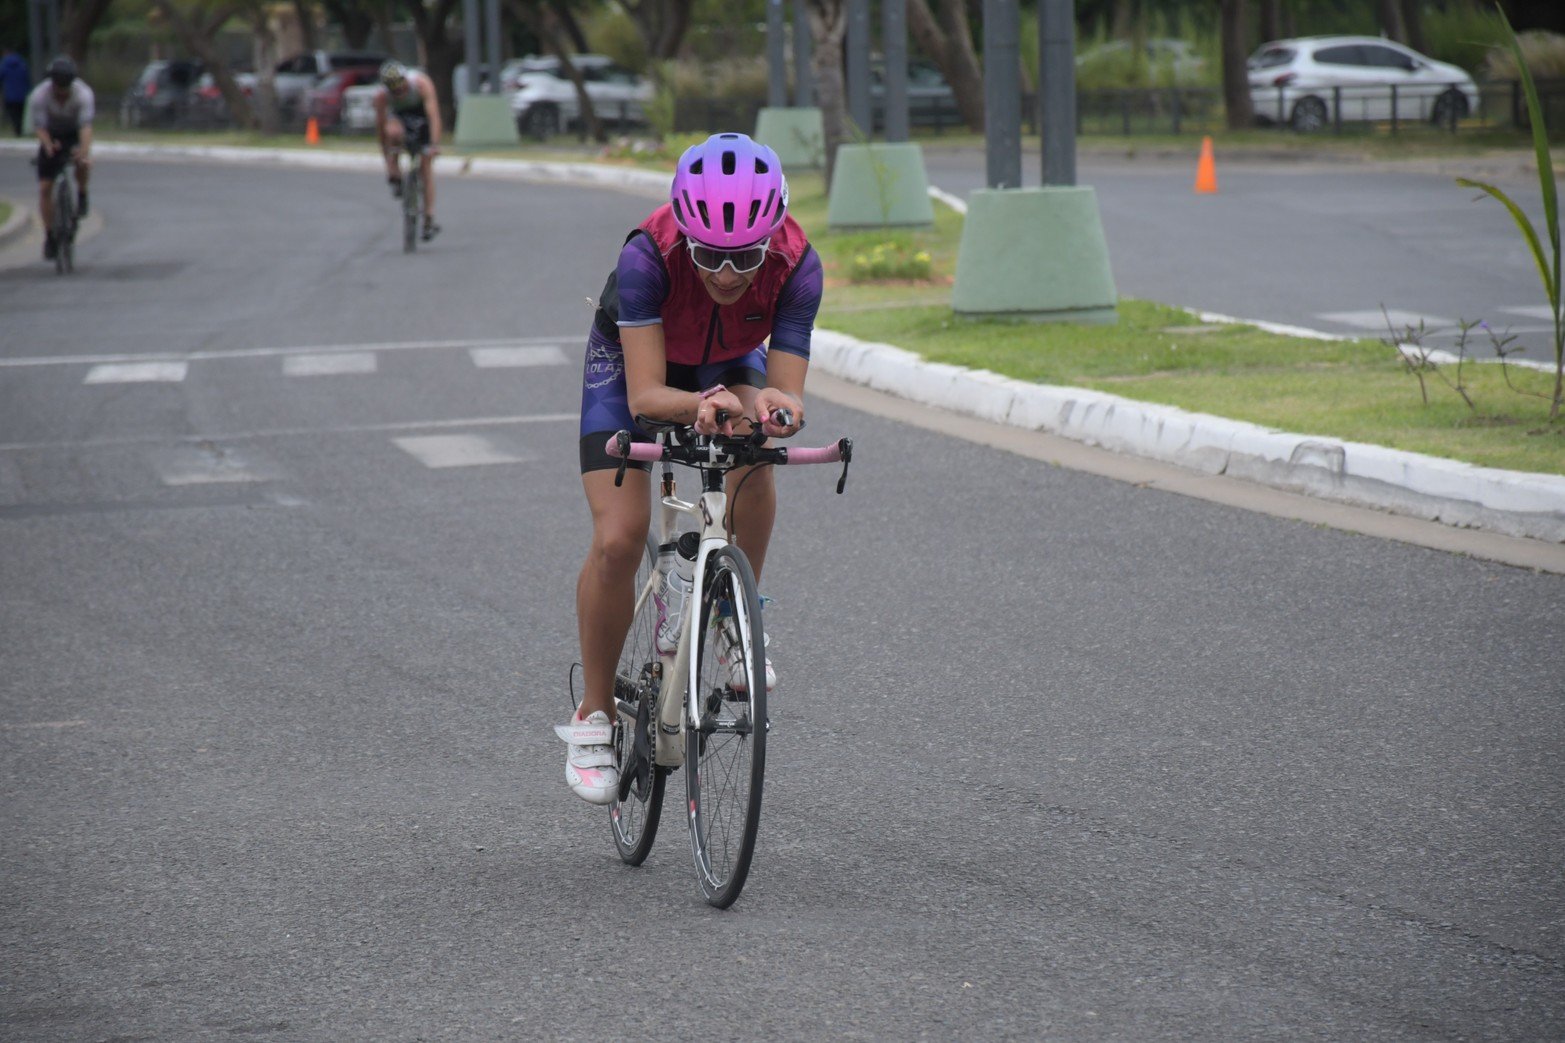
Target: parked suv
(324, 101)
(161, 95)
(1310, 82)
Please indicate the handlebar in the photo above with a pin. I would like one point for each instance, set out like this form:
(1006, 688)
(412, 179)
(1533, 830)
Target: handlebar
(680, 444)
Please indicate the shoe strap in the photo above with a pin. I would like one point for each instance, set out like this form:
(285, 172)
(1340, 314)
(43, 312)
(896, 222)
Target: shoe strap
(580, 733)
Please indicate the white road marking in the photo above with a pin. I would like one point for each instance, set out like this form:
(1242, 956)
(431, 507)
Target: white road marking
(1375, 319)
(301, 349)
(457, 451)
(136, 373)
(506, 358)
(202, 465)
(295, 432)
(1540, 311)
(331, 363)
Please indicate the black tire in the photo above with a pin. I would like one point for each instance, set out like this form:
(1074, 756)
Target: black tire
(1309, 115)
(412, 203)
(725, 748)
(634, 816)
(1448, 108)
(542, 122)
(64, 226)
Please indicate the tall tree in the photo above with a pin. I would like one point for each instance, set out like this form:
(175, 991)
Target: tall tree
(1389, 14)
(357, 19)
(828, 27)
(1413, 23)
(440, 50)
(948, 40)
(195, 25)
(662, 23)
(544, 21)
(78, 18)
(1271, 20)
(1236, 80)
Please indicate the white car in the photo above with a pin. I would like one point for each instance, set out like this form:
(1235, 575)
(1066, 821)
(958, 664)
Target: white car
(543, 99)
(1313, 81)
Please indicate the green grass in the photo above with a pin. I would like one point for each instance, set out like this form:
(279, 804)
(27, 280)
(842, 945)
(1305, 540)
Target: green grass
(5, 211)
(1354, 390)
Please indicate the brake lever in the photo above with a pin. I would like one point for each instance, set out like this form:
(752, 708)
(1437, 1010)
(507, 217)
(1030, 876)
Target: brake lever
(845, 446)
(622, 443)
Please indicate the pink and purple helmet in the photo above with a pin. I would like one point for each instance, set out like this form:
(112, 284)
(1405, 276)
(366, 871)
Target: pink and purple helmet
(729, 192)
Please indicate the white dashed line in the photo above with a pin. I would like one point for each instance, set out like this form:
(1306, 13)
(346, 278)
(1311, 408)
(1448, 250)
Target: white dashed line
(1540, 311)
(137, 373)
(506, 358)
(1378, 320)
(329, 364)
(457, 451)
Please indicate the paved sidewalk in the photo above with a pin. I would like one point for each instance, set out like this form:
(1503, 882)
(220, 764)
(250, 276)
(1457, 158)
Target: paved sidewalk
(1458, 494)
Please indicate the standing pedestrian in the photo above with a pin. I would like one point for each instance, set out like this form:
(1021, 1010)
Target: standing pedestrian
(15, 83)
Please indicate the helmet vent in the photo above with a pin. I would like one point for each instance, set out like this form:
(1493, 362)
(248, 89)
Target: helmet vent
(695, 168)
(769, 197)
(730, 162)
(679, 213)
(755, 210)
(706, 219)
(728, 217)
(761, 167)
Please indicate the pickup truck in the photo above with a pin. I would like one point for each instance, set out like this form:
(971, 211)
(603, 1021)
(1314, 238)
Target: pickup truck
(298, 74)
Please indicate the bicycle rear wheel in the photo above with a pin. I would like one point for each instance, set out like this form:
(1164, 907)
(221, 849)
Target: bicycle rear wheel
(725, 748)
(635, 814)
(412, 202)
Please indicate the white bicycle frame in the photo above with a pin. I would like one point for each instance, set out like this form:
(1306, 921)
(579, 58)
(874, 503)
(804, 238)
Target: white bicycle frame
(673, 714)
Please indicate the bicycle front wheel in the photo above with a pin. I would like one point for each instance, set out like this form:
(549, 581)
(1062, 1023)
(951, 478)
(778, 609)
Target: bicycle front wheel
(64, 226)
(725, 746)
(636, 679)
(411, 202)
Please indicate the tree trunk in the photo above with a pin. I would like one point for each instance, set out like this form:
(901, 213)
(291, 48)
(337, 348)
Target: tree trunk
(1271, 21)
(949, 43)
(199, 41)
(566, 24)
(1390, 14)
(662, 24)
(828, 27)
(440, 54)
(545, 23)
(1413, 22)
(305, 13)
(1236, 80)
(356, 19)
(77, 22)
(265, 103)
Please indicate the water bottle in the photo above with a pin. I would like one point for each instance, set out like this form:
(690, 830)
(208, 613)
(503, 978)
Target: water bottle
(678, 574)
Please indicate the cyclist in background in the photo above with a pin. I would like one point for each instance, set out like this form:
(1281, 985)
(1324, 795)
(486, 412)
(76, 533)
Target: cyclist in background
(62, 119)
(406, 109)
(710, 307)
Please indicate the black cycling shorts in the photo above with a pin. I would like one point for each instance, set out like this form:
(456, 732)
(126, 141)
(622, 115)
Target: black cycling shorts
(49, 167)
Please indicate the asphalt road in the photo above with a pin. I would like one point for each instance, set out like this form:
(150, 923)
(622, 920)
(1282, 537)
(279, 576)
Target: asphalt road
(1325, 247)
(1054, 755)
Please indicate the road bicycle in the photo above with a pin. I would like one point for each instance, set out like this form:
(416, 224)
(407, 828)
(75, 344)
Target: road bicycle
(63, 227)
(412, 195)
(703, 705)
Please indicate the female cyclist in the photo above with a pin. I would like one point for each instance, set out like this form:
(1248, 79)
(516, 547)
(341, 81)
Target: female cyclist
(709, 309)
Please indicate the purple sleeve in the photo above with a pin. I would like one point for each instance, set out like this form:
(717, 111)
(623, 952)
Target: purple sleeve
(643, 283)
(801, 299)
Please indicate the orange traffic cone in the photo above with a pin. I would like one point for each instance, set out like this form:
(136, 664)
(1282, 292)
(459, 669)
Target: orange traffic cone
(1206, 170)
(312, 133)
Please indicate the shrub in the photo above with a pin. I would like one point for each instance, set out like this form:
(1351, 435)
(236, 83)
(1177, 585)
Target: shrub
(892, 259)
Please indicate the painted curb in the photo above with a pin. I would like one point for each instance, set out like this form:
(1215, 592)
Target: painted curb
(1509, 502)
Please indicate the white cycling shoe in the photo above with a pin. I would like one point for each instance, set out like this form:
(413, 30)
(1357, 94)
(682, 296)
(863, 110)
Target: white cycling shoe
(738, 676)
(589, 758)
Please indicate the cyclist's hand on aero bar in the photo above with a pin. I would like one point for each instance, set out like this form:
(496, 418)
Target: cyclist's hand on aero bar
(767, 405)
(708, 408)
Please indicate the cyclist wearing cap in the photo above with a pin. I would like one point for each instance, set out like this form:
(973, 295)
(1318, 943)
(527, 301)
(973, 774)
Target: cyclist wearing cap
(710, 308)
(62, 119)
(406, 109)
